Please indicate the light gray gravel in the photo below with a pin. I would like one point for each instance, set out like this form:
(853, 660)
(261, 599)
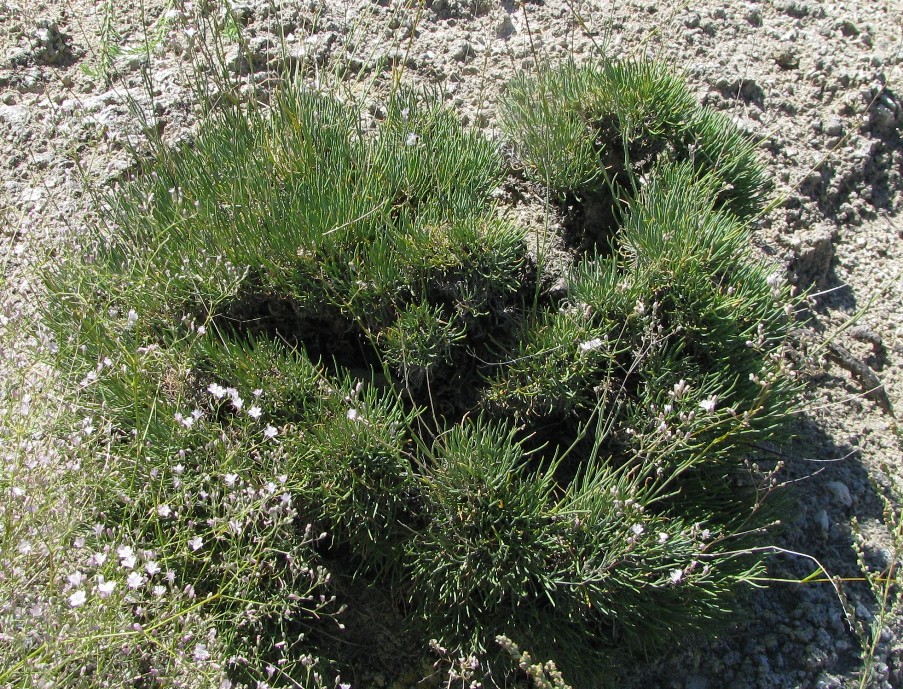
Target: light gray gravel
(818, 82)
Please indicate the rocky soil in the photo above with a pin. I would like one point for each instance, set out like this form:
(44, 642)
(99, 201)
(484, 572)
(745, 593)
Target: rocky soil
(819, 83)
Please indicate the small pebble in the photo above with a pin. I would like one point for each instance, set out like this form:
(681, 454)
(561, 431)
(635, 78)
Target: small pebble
(840, 493)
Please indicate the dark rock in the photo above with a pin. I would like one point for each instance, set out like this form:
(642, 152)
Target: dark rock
(48, 45)
(886, 114)
(692, 20)
(840, 494)
(795, 9)
(848, 28)
(787, 58)
(810, 262)
(459, 9)
(505, 27)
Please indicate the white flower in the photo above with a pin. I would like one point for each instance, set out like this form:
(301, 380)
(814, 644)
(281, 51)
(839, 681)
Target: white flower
(164, 511)
(590, 345)
(151, 568)
(637, 529)
(134, 580)
(676, 575)
(270, 432)
(353, 415)
(663, 537)
(77, 599)
(255, 412)
(124, 551)
(217, 391)
(105, 588)
(76, 578)
(231, 479)
(196, 543)
(97, 559)
(237, 401)
(411, 139)
(132, 318)
(201, 653)
(159, 591)
(708, 405)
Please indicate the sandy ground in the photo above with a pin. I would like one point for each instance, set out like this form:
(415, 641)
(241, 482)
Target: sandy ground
(819, 83)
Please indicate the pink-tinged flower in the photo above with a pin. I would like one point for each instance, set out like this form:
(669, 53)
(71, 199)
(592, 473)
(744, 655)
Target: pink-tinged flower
(151, 568)
(76, 578)
(196, 543)
(77, 599)
(708, 405)
(134, 580)
(680, 389)
(124, 551)
(201, 653)
(187, 421)
(159, 591)
(129, 562)
(105, 588)
(255, 412)
(97, 559)
(164, 511)
(270, 432)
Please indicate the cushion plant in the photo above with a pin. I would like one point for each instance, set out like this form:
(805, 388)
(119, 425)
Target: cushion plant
(335, 316)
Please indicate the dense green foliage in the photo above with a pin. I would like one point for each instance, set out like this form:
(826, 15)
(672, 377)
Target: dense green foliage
(332, 315)
(598, 129)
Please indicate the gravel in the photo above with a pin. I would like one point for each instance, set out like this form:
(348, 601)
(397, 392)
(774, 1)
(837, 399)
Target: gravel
(819, 83)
